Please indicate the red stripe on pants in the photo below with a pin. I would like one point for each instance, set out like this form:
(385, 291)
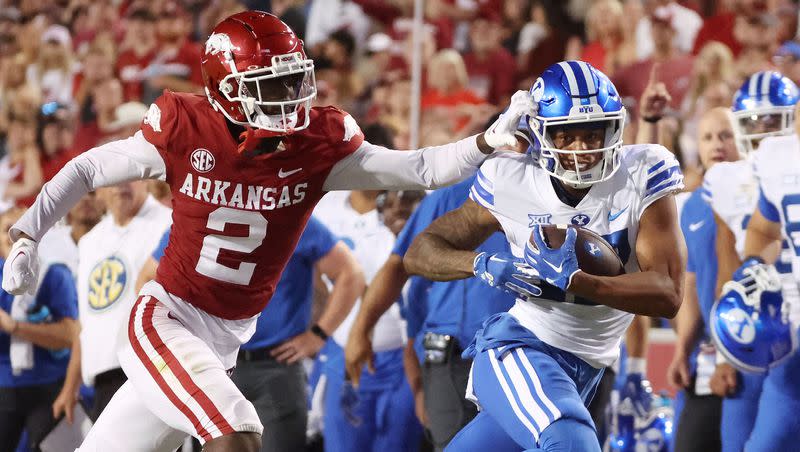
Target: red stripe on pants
(151, 368)
(183, 377)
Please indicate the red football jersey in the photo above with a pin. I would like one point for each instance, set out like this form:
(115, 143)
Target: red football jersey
(237, 219)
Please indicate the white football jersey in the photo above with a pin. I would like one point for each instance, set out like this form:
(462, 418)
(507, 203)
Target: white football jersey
(520, 194)
(732, 191)
(777, 171)
(110, 257)
(371, 242)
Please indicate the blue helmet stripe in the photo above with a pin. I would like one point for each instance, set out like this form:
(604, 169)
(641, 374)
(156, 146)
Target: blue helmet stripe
(591, 85)
(752, 89)
(583, 88)
(765, 83)
(573, 83)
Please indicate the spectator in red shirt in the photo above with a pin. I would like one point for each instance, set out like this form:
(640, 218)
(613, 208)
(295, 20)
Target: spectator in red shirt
(106, 96)
(491, 68)
(447, 82)
(176, 66)
(54, 150)
(674, 67)
(727, 27)
(611, 43)
(136, 51)
(448, 102)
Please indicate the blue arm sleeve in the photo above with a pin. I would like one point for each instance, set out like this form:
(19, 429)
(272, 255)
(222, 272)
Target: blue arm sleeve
(58, 293)
(767, 209)
(317, 240)
(162, 245)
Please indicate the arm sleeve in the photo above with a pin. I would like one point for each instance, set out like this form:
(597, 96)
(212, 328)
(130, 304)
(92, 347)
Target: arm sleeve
(482, 190)
(659, 174)
(373, 167)
(119, 161)
(158, 253)
(58, 293)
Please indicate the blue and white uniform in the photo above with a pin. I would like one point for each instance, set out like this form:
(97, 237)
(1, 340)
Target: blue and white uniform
(379, 415)
(541, 361)
(777, 169)
(731, 189)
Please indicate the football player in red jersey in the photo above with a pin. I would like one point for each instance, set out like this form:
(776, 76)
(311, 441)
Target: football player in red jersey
(246, 164)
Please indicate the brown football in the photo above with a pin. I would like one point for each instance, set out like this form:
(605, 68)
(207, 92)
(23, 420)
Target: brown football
(595, 255)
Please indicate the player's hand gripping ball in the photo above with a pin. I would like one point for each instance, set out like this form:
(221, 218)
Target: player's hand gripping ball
(558, 252)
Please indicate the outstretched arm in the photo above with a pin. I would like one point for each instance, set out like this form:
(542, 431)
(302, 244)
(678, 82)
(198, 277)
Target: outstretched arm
(444, 251)
(656, 290)
(376, 167)
(112, 163)
(373, 167)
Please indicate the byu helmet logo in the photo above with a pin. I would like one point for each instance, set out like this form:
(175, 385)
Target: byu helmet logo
(538, 90)
(740, 325)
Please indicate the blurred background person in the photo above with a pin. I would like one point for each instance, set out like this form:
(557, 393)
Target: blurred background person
(36, 333)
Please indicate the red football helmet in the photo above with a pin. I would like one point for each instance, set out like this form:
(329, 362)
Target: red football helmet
(257, 74)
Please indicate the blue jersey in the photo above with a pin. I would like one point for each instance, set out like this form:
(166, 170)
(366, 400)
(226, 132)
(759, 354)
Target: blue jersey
(700, 231)
(289, 311)
(57, 293)
(457, 308)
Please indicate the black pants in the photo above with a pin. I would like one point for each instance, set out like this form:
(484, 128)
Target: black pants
(445, 386)
(28, 408)
(106, 385)
(698, 425)
(598, 405)
(278, 393)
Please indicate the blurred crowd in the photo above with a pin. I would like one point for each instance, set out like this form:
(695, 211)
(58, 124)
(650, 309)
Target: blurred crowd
(77, 73)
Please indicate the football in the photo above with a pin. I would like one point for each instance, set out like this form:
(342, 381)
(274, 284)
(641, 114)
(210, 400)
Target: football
(595, 255)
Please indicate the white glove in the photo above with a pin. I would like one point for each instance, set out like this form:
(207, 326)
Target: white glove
(21, 270)
(502, 131)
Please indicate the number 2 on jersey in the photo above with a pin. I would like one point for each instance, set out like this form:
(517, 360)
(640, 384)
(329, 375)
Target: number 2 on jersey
(212, 244)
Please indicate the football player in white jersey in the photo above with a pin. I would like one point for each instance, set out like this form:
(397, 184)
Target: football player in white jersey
(536, 367)
(776, 425)
(763, 107)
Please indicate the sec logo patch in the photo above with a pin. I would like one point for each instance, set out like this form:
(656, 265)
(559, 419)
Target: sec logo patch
(202, 160)
(107, 282)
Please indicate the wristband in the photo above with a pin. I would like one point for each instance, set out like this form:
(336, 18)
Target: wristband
(636, 366)
(651, 119)
(319, 332)
(758, 259)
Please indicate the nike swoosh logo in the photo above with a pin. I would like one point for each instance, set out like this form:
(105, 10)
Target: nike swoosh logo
(283, 174)
(557, 269)
(612, 217)
(695, 226)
